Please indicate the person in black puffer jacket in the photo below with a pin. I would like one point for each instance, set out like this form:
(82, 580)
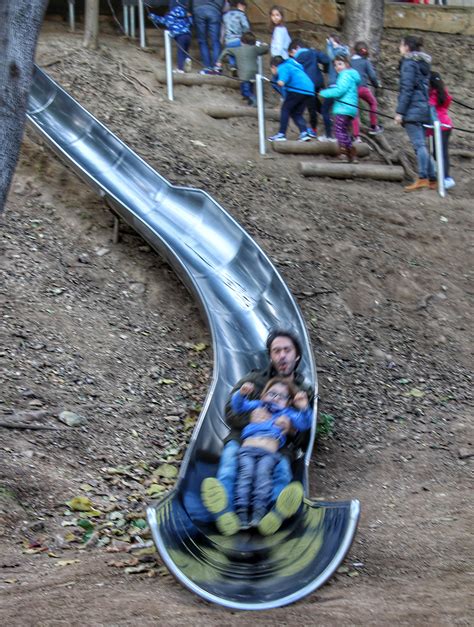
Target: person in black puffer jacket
(413, 108)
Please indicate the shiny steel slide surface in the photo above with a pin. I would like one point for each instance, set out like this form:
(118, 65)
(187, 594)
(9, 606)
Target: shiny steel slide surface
(242, 297)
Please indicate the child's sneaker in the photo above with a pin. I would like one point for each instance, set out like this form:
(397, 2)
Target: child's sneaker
(188, 65)
(178, 71)
(279, 137)
(312, 132)
(357, 140)
(215, 499)
(449, 182)
(286, 506)
(214, 495)
(304, 137)
(233, 71)
(228, 524)
(375, 130)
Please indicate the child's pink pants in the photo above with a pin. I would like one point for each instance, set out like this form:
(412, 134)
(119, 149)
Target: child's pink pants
(368, 96)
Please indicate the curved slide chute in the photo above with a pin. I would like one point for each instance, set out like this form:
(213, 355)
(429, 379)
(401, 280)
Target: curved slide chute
(242, 296)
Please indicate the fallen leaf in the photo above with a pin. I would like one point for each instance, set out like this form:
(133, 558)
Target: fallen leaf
(200, 346)
(166, 381)
(166, 470)
(155, 489)
(66, 562)
(10, 580)
(416, 393)
(133, 570)
(83, 504)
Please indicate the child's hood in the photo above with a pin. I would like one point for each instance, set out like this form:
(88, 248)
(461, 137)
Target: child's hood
(423, 59)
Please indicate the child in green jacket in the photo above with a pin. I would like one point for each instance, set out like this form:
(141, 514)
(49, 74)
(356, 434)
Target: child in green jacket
(346, 100)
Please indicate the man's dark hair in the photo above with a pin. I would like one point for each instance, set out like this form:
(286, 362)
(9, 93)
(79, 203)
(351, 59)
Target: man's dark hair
(276, 61)
(296, 43)
(248, 38)
(274, 333)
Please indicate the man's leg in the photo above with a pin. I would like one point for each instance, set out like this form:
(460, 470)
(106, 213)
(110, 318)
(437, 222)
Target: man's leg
(227, 469)
(417, 137)
(200, 22)
(282, 476)
(214, 30)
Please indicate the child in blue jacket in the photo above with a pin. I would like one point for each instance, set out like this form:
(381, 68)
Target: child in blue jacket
(178, 21)
(297, 88)
(314, 63)
(346, 100)
(261, 441)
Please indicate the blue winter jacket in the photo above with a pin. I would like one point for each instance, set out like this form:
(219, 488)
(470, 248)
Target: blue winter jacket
(413, 98)
(177, 21)
(301, 420)
(295, 78)
(311, 60)
(345, 93)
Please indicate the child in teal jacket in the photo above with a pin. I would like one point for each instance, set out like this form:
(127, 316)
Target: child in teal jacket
(346, 100)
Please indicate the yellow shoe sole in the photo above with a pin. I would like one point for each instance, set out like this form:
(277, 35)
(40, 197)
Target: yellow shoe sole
(228, 524)
(214, 495)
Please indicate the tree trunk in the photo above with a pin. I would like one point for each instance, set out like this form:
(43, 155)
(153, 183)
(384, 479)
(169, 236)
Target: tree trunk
(363, 21)
(91, 24)
(20, 22)
(350, 170)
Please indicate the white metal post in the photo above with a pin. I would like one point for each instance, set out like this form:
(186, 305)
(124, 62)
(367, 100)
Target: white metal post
(72, 20)
(438, 142)
(141, 21)
(126, 26)
(132, 21)
(261, 114)
(260, 65)
(169, 64)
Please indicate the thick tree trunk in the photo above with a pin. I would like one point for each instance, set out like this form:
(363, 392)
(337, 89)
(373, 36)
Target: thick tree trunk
(363, 21)
(225, 112)
(316, 148)
(91, 24)
(349, 170)
(20, 22)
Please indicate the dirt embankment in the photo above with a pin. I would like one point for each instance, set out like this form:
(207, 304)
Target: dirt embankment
(108, 332)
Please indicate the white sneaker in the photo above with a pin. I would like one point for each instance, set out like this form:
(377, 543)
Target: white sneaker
(357, 140)
(176, 71)
(449, 182)
(323, 138)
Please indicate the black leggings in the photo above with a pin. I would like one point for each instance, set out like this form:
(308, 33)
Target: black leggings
(445, 135)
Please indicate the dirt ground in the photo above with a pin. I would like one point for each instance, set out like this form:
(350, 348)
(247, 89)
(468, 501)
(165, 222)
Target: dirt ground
(108, 332)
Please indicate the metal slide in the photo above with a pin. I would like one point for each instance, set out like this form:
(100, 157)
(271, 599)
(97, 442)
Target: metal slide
(242, 296)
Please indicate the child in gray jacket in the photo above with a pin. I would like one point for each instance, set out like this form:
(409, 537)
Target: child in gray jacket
(361, 63)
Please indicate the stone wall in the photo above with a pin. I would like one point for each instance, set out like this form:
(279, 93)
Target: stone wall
(438, 19)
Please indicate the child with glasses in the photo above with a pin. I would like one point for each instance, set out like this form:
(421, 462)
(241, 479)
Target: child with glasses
(261, 440)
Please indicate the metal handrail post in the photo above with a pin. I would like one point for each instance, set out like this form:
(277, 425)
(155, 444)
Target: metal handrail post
(260, 65)
(126, 26)
(169, 64)
(438, 142)
(72, 17)
(262, 147)
(141, 21)
(132, 21)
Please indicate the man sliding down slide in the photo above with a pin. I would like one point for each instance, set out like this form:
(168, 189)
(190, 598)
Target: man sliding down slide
(218, 493)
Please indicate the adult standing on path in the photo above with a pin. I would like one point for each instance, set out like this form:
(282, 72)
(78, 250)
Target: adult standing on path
(207, 16)
(413, 107)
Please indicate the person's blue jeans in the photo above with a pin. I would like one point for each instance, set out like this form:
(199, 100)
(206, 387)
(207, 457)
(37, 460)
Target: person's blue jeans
(228, 469)
(254, 479)
(182, 44)
(233, 43)
(208, 26)
(416, 134)
(293, 106)
(246, 89)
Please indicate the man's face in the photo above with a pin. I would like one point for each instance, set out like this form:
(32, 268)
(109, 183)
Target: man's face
(283, 356)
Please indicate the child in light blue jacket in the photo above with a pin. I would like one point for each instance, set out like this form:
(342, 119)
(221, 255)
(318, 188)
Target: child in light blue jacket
(346, 100)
